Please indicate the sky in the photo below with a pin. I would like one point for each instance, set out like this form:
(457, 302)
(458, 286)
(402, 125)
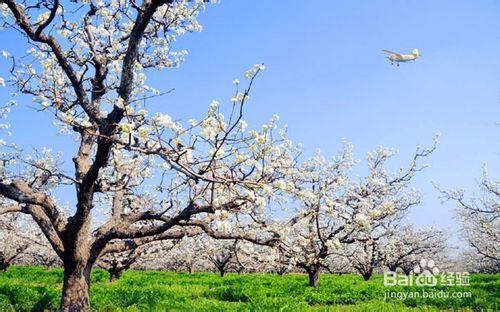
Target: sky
(327, 79)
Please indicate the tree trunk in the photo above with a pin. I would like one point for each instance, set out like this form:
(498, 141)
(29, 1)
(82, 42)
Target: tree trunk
(367, 275)
(392, 267)
(114, 275)
(313, 277)
(406, 270)
(75, 296)
(222, 272)
(282, 270)
(4, 265)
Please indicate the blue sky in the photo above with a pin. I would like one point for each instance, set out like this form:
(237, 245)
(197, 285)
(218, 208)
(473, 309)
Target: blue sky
(328, 80)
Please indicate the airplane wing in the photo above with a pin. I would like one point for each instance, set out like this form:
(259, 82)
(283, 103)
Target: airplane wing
(390, 52)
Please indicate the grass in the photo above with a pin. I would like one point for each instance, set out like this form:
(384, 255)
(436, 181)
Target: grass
(37, 289)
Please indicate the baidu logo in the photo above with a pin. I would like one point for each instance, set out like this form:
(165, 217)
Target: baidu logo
(426, 273)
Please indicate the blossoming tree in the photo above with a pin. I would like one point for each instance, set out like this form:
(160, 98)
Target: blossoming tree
(187, 255)
(336, 210)
(480, 219)
(20, 238)
(406, 246)
(136, 174)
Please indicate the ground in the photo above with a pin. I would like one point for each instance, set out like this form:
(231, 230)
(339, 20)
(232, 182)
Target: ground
(38, 289)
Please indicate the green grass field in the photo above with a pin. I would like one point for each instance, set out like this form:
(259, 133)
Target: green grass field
(37, 289)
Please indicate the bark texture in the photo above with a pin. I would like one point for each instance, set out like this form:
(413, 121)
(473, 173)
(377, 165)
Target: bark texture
(75, 297)
(313, 277)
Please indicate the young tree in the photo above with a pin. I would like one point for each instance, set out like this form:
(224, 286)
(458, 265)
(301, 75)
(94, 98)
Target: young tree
(87, 67)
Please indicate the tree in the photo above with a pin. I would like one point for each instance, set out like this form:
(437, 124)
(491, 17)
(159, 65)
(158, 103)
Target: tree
(406, 246)
(44, 257)
(310, 235)
(188, 254)
(472, 262)
(148, 248)
(147, 173)
(221, 253)
(118, 262)
(397, 246)
(480, 218)
(249, 257)
(336, 210)
(282, 260)
(339, 265)
(18, 237)
(367, 256)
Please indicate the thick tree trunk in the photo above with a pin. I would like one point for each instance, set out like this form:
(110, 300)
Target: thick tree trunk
(313, 276)
(222, 272)
(75, 296)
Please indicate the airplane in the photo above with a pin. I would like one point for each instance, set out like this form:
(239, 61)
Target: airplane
(398, 57)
